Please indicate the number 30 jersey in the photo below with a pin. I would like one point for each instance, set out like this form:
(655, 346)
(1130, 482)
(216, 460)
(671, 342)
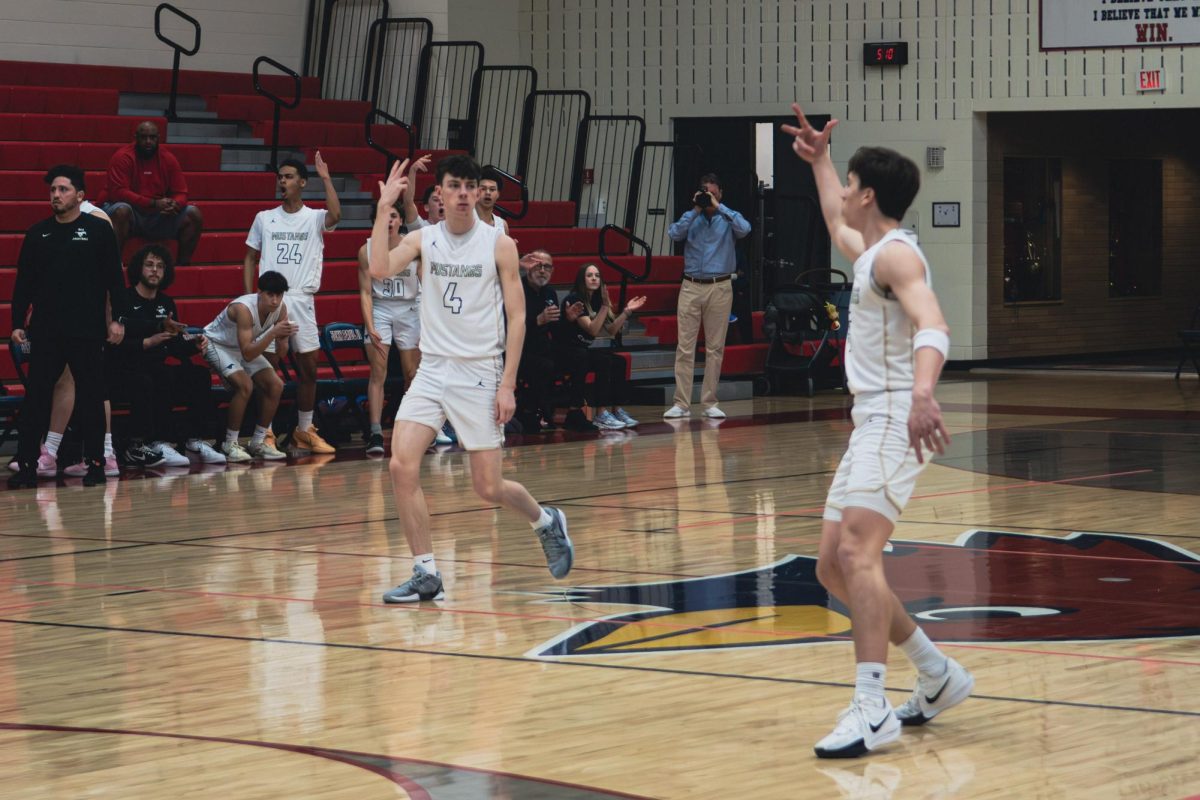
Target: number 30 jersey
(292, 245)
(462, 303)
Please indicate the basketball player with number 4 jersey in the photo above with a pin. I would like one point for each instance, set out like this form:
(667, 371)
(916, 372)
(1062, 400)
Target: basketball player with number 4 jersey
(896, 346)
(472, 330)
(290, 240)
(391, 311)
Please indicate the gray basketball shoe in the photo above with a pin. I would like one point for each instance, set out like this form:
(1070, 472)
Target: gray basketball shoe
(560, 553)
(421, 586)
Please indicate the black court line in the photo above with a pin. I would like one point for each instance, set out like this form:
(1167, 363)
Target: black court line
(79, 552)
(579, 664)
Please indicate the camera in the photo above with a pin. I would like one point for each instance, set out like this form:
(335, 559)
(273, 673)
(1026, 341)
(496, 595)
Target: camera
(703, 199)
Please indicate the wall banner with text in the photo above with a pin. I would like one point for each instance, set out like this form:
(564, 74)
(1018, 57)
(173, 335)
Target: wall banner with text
(1075, 24)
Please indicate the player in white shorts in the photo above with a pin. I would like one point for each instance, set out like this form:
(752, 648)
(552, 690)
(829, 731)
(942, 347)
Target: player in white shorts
(897, 344)
(391, 312)
(472, 330)
(237, 340)
(290, 240)
(489, 193)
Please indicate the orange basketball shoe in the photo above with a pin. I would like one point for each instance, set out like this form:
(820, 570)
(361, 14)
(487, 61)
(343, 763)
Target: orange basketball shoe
(311, 441)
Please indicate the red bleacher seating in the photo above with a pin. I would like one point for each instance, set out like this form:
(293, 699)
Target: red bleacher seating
(73, 127)
(57, 100)
(96, 155)
(146, 79)
(256, 107)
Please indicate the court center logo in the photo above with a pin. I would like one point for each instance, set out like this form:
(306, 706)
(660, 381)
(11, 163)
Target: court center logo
(988, 586)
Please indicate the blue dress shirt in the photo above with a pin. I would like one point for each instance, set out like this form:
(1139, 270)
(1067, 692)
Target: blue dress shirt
(709, 249)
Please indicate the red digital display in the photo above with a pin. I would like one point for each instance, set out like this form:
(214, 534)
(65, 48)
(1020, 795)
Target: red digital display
(885, 54)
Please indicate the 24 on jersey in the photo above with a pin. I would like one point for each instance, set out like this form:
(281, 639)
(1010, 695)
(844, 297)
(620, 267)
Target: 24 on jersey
(288, 253)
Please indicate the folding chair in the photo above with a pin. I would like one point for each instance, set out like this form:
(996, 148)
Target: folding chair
(1189, 344)
(342, 336)
(10, 404)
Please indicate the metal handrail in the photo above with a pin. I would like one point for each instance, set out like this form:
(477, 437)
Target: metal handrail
(376, 36)
(368, 121)
(476, 96)
(277, 100)
(178, 48)
(423, 74)
(626, 275)
(520, 183)
(527, 120)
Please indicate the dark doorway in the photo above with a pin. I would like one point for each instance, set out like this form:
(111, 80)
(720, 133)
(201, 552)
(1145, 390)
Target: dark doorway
(788, 234)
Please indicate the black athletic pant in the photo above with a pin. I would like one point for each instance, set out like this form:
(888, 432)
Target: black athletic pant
(609, 386)
(47, 357)
(153, 390)
(535, 381)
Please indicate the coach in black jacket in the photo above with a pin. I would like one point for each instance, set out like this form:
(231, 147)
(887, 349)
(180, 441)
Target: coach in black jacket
(69, 270)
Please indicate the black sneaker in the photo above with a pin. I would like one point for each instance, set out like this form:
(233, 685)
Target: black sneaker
(375, 444)
(95, 473)
(24, 478)
(144, 455)
(576, 421)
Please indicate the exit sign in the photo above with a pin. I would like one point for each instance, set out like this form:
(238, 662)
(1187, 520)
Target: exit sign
(1151, 80)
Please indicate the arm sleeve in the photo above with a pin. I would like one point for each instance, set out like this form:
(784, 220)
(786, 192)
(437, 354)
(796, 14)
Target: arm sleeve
(24, 288)
(174, 180)
(679, 229)
(119, 168)
(740, 225)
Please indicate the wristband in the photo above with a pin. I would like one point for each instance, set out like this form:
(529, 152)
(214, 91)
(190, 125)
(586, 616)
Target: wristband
(934, 338)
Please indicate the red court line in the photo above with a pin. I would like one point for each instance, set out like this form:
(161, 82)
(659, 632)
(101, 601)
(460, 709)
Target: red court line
(981, 490)
(650, 623)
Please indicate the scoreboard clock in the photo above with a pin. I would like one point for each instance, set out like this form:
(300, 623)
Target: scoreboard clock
(885, 54)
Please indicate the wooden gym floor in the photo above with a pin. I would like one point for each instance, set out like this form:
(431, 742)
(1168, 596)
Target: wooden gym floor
(220, 633)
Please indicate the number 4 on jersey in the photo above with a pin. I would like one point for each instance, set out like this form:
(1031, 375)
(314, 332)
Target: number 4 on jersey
(450, 301)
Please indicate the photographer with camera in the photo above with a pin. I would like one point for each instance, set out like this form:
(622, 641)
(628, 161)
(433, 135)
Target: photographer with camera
(709, 230)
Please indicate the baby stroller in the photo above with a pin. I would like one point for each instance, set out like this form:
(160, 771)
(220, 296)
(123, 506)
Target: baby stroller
(805, 325)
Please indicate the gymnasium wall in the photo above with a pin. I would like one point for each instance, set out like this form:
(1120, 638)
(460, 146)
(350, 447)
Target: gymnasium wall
(673, 58)
(234, 33)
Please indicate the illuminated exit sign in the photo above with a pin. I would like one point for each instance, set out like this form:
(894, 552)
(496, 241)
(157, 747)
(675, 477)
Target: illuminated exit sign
(1151, 80)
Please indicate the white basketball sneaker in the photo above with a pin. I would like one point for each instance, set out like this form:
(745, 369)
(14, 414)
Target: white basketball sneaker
(865, 725)
(932, 696)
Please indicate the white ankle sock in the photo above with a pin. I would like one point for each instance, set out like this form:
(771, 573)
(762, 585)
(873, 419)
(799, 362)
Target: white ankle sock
(869, 680)
(427, 563)
(304, 420)
(924, 654)
(260, 434)
(108, 448)
(53, 440)
(230, 436)
(542, 521)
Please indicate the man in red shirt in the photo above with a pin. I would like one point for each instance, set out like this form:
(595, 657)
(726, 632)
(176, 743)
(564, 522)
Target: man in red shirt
(147, 195)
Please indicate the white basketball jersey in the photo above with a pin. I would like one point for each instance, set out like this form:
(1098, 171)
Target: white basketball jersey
(879, 347)
(292, 245)
(223, 330)
(497, 222)
(462, 309)
(401, 287)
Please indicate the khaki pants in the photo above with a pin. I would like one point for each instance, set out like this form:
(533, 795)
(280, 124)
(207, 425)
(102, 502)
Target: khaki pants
(706, 304)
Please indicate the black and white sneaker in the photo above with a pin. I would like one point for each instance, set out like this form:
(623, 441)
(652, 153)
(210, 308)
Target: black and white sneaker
(421, 586)
(932, 696)
(144, 455)
(375, 445)
(863, 726)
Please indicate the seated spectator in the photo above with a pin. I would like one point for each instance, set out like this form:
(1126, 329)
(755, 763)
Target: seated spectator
(236, 341)
(490, 186)
(535, 377)
(139, 372)
(147, 195)
(586, 313)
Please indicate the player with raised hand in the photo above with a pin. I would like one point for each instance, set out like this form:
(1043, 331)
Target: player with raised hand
(897, 343)
(472, 331)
